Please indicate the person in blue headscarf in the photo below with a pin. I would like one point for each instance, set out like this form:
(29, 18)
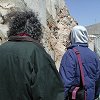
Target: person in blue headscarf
(69, 68)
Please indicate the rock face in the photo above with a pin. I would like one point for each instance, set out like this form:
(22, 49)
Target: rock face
(54, 17)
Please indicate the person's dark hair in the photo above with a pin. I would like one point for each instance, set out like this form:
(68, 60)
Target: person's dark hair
(25, 22)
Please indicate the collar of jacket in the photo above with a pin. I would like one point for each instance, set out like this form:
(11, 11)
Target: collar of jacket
(78, 44)
(20, 38)
(25, 38)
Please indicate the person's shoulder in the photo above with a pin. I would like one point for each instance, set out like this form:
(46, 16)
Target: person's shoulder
(69, 52)
(93, 54)
(38, 47)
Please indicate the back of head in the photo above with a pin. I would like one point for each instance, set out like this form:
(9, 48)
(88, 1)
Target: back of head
(25, 22)
(79, 34)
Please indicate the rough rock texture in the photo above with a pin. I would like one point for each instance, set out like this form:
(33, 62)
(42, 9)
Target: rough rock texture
(54, 17)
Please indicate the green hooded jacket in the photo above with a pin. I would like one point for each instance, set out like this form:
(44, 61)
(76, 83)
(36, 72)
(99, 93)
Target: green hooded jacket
(27, 72)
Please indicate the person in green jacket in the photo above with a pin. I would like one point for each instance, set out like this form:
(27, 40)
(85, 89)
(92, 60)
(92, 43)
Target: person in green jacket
(27, 72)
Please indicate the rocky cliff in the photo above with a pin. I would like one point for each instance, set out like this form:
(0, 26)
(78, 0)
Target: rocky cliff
(54, 17)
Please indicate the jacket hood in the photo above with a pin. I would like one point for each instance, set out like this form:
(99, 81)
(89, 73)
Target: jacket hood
(79, 34)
